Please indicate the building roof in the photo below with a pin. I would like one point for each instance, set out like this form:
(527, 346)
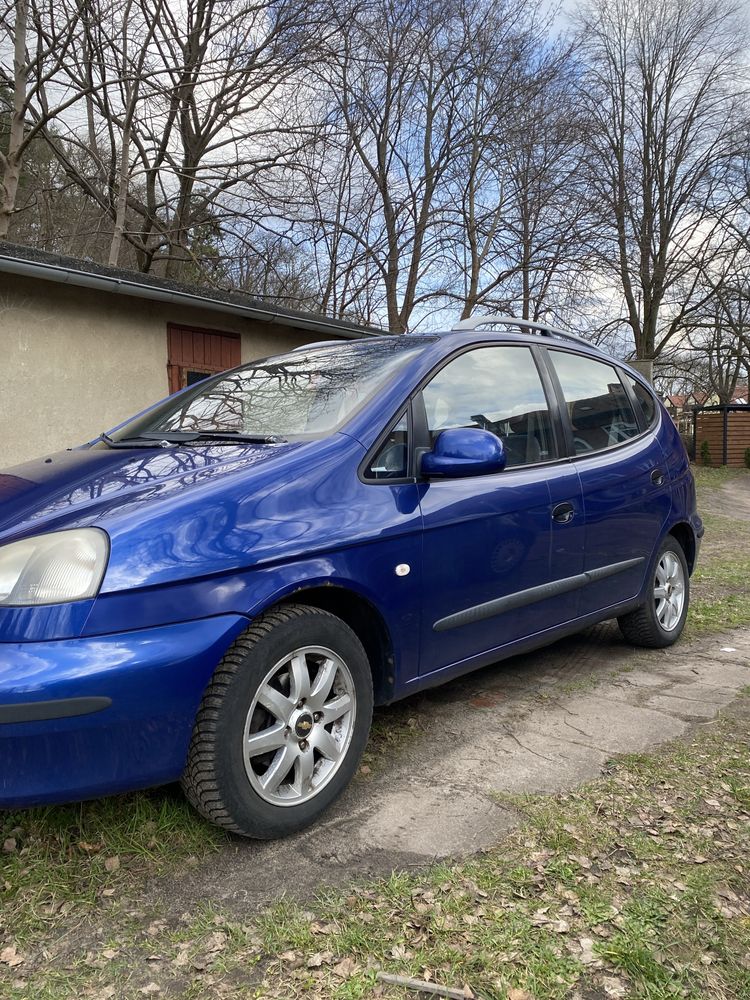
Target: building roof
(28, 262)
(741, 393)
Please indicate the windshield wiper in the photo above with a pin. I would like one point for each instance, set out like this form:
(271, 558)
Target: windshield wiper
(156, 439)
(127, 442)
(235, 436)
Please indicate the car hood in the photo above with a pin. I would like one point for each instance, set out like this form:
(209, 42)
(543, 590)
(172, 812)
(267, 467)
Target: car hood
(96, 485)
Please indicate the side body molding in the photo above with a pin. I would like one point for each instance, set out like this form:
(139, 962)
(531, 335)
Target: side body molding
(533, 594)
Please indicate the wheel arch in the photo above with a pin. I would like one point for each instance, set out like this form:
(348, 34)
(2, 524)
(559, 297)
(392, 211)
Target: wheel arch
(685, 535)
(365, 620)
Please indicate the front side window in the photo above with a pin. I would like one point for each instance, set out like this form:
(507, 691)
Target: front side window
(307, 393)
(392, 458)
(598, 405)
(497, 389)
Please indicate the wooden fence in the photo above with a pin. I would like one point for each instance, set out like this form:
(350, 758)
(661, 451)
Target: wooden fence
(721, 434)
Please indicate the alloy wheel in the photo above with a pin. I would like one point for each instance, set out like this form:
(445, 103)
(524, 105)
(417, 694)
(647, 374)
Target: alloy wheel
(669, 591)
(299, 726)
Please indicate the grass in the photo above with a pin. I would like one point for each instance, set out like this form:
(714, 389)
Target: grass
(635, 885)
(62, 858)
(708, 478)
(721, 582)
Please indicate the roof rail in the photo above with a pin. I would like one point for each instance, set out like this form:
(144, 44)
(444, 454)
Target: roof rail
(543, 328)
(316, 343)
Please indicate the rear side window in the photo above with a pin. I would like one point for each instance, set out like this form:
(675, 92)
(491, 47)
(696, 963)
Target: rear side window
(644, 397)
(597, 403)
(496, 389)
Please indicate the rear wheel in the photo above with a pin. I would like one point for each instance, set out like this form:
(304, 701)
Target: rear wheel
(660, 621)
(282, 724)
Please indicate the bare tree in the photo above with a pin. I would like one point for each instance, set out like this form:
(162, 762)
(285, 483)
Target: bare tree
(662, 91)
(36, 41)
(190, 107)
(477, 227)
(520, 226)
(394, 79)
(718, 329)
(315, 239)
(454, 145)
(338, 211)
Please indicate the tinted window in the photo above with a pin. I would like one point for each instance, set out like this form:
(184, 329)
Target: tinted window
(392, 459)
(598, 405)
(644, 397)
(497, 389)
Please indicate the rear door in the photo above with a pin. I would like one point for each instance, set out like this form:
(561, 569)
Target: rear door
(491, 544)
(624, 479)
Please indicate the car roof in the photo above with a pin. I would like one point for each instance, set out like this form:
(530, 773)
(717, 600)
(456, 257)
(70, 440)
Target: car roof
(535, 327)
(528, 330)
(469, 331)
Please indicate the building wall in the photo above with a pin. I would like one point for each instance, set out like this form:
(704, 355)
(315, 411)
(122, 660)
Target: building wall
(74, 362)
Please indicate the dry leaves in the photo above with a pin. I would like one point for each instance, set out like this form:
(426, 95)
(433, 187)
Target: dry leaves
(316, 927)
(320, 958)
(587, 955)
(216, 942)
(182, 958)
(9, 956)
(345, 968)
(614, 987)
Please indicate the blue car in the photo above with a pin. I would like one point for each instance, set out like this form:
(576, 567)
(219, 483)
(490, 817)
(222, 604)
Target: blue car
(219, 590)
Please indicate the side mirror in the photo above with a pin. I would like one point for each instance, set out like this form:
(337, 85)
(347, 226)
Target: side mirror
(464, 451)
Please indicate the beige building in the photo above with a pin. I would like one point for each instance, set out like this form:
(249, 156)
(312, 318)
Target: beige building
(84, 346)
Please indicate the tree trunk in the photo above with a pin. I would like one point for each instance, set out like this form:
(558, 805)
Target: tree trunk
(11, 163)
(122, 199)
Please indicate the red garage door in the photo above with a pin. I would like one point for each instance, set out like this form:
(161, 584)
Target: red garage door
(194, 353)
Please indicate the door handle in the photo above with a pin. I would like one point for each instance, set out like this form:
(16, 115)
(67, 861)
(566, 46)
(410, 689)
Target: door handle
(563, 513)
(657, 477)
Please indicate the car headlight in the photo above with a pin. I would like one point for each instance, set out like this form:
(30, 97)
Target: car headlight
(55, 568)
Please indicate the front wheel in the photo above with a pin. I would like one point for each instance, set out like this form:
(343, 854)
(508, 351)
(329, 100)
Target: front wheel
(282, 725)
(660, 621)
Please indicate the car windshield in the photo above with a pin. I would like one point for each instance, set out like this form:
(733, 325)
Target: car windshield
(306, 393)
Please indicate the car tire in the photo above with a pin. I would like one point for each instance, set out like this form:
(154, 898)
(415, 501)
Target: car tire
(660, 621)
(282, 725)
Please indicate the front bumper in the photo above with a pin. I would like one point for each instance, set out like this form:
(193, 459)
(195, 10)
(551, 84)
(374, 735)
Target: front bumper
(93, 716)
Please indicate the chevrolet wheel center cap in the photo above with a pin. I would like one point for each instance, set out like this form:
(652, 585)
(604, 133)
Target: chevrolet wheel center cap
(303, 725)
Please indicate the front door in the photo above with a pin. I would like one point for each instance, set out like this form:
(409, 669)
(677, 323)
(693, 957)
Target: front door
(491, 544)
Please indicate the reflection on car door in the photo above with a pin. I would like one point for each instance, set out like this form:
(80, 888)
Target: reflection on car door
(490, 538)
(626, 493)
